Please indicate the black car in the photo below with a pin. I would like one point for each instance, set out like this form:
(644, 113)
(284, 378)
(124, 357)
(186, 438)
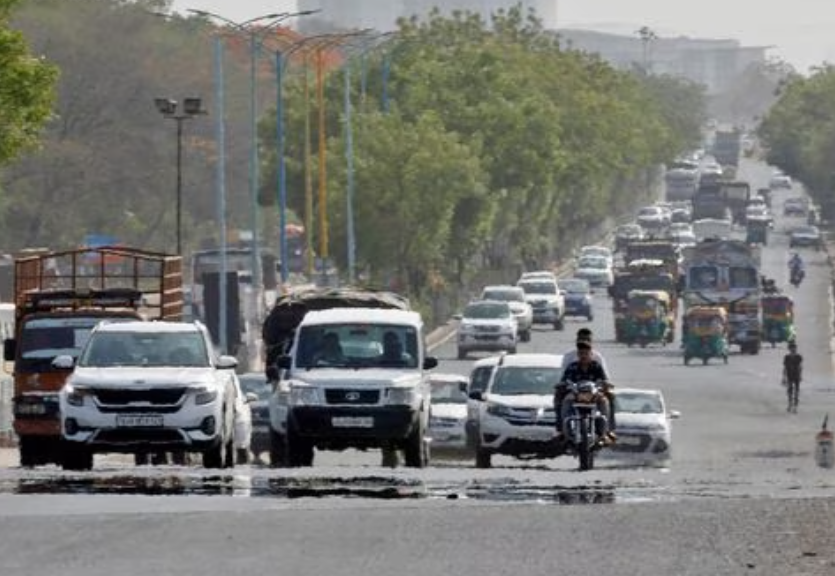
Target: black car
(256, 383)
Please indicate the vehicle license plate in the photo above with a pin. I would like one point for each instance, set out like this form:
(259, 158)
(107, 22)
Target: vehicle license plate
(352, 422)
(629, 440)
(537, 436)
(139, 420)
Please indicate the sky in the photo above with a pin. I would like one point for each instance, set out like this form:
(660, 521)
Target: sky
(802, 32)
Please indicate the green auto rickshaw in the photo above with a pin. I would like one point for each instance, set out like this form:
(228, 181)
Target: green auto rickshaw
(705, 334)
(756, 231)
(648, 318)
(777, 318)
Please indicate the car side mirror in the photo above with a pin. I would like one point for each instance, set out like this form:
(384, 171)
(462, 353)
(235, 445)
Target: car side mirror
(285, 362)
(227, 363)
(462, 386)
(674, 415)
(63, 362)
(430, 362)
(476, 395)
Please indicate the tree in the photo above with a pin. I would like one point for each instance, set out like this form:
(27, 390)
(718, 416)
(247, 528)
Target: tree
(26, 89)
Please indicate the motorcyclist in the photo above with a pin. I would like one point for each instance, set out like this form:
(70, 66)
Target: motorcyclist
(795, 263)
(584, 368)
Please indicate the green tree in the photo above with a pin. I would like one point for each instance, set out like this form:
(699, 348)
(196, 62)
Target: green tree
(26, 89)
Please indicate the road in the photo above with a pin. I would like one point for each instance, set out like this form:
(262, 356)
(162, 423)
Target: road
(742, 493)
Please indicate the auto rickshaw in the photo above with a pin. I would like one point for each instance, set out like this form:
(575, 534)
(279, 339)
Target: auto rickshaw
(648, 318)
(756, 231)
(777, 318)
(706, 334)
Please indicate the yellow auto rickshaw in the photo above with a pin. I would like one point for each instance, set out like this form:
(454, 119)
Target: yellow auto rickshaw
(649, 318)
(777, 318)
(705, 334)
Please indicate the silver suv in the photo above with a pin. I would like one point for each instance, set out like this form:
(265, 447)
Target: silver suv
(515, 297)
(487, 325)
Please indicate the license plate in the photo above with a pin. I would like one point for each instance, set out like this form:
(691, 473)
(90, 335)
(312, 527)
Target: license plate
(352, 422)
(537, 436)
(629, 440)
(139, 420)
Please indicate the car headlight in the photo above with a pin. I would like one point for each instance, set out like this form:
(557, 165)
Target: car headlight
(465, 328)
(498, 409)
(304, 396)
(76, 396)
(204, 396)
(401, 396)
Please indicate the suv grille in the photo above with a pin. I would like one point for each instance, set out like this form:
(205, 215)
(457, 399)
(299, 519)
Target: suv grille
(156, 396)
(347, 396)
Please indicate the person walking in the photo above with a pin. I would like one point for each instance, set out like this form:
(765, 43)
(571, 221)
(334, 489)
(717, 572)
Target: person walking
(792, 374)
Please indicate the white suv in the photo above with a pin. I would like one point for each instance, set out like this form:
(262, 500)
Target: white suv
(516, 412)
(141, 387)
(546, 300)
(515, 297)
(355, 378)
(487, 325)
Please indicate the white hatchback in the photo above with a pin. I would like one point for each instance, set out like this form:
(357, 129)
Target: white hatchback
(643, 426)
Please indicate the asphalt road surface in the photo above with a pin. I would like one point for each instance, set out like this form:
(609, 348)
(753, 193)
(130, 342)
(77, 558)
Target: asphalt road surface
(741, 495)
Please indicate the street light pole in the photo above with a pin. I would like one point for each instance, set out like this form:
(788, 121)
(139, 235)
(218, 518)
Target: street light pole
(221, 194)
(349, 156)
(169, 109)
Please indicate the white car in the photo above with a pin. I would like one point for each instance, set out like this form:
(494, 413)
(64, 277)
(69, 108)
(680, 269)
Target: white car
(140, 387)
(546, 300)
(596, 270)
(516, 414)
(448, 413)
(780, 181)
(602, 251)
(643, 426)
(515, 297)
(651, 217)
(478, 381)
(243, 423)
(487, 325)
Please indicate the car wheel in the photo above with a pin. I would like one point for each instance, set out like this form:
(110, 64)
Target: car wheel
(526, 336)
(77, 458)
(278, 451)
(590, 317)
(416, 450)
(482, 458)
(462, 354)
(391, 459)
(241, 456)
(299, 450)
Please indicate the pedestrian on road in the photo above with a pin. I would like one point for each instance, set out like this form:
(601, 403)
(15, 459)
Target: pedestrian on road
(792, 374)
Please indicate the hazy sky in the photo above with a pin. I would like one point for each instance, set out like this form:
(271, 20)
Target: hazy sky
(801, 31)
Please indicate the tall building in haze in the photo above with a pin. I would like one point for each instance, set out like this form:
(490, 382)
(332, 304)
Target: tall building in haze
(382, 14)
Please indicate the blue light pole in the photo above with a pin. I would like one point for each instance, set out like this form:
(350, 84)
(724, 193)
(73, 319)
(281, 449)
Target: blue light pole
(221, 191)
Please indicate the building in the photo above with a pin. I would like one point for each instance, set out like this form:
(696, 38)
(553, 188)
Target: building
(383, 14)
(714, 63)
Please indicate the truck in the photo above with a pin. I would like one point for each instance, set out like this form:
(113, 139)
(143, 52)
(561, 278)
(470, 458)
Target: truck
(59, 297)
(681, 183)
(737, 194)
(726, 273)
(357, 393)
(727, 147)
(639, 274)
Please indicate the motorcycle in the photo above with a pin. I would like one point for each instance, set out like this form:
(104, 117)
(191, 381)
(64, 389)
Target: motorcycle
(584, 422)
(796, 276)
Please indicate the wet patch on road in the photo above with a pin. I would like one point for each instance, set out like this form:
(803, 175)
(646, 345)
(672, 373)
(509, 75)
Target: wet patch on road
(503, 490)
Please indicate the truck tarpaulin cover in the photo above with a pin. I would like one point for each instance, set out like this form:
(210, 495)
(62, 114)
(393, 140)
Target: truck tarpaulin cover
(289, 309)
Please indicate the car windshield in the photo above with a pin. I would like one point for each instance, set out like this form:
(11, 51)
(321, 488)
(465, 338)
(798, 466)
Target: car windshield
(255, 384)
(538, 287)
(806, 230)
(595, 251)
(574, 286)
(486, 310)
(638, 403)
(504, 294)
(649, 212)
(447, 393)
(596, 263)
(522, 380)
(145, 349)
(357, 345)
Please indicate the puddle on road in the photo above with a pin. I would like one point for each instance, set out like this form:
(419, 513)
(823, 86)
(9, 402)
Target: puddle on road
(367, 487)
